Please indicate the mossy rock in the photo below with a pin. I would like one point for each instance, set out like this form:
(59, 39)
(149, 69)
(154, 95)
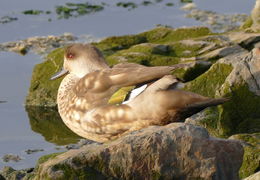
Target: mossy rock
(166, 34)
(45, 158)
(154, 54)
(251, 154)
(10, 173)
(45, 121)
(242, 113)
(159, 35)
(43, 91)
(247, 24)
(210, 81)
(86, 172)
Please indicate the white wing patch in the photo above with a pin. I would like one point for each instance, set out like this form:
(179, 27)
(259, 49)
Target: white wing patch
(135, 92)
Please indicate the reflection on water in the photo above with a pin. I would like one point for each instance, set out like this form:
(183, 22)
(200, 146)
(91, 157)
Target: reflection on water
(47, 122)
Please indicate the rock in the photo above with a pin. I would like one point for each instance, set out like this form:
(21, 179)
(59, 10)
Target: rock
(255, 176)
(11, 157)
(175, 151)
(235, 76)
(222, 52)
(188, 6)
(31, 151)
(251, 159)
(245, 40)
(39, 45)
(12, 174)
(42, 90)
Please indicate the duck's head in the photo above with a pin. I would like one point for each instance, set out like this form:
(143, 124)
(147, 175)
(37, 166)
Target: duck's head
(81, 59)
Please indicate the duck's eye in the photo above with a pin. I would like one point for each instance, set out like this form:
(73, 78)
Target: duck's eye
(70, 56)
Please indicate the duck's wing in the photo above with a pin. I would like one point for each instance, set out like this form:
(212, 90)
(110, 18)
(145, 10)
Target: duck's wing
(99, 86)
(128, 65)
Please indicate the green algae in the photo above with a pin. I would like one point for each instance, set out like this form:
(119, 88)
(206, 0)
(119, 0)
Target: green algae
(35, 12)
(241, 113)
(251, 157)
(169, 4)
(153, 54)
(115, 43)
(157, 35)
(77, 9)
(146, 3)
(210, 81)
(80, 173)
(166, 34)
(43, 91)
(129, 5)
(210, 121)
(180, 50)
(247, 24)
(47, 157)
(186, 1)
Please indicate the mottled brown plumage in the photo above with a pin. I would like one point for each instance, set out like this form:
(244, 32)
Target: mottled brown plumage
(85, 91)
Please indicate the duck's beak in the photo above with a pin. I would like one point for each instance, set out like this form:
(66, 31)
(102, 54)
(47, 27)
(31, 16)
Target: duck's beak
(59, 74)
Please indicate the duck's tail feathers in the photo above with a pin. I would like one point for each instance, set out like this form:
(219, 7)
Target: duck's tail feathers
(197, 107)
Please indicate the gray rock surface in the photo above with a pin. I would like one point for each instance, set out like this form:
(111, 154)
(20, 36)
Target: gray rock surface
(255, 176)
(39, 45)
(175, 151)
(246, 68)
(8, 173)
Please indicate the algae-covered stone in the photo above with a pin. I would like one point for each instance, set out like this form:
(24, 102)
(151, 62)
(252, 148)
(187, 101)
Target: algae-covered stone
(210, 81)
(251, 158)
(191, 153)
(12, 174)
(235, 77)
(42, 90)
(166, 34)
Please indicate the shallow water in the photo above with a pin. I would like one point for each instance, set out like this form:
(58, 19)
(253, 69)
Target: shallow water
(19, 130)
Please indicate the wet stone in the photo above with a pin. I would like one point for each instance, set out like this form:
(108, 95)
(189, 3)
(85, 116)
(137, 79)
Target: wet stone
(31, 151)
(11, 157)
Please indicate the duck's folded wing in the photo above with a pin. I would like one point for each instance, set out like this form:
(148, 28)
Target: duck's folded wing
(101, 85)
(128, 65)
